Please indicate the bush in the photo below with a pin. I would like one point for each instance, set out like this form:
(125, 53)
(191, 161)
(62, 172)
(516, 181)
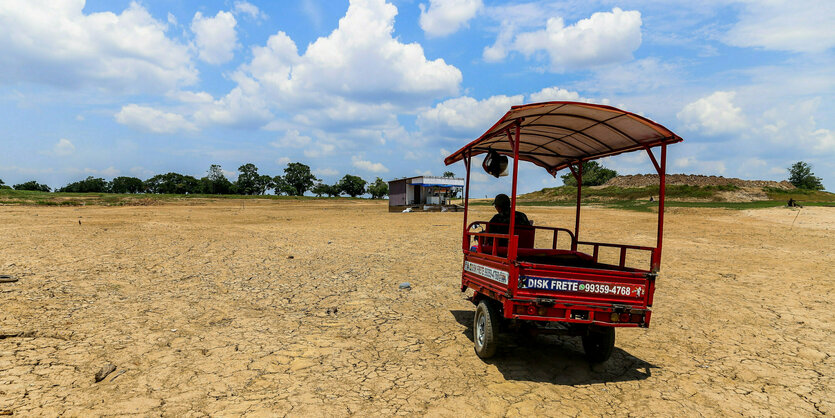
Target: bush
(172, 183)
(126, 185)
(88, 185)
(594, 174)
(32, 185)
(325, 189)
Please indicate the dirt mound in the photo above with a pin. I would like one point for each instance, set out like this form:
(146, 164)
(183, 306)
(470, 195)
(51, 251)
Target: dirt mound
(643, 180)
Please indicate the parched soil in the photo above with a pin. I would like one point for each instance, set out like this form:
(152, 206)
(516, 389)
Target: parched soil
(293, 308)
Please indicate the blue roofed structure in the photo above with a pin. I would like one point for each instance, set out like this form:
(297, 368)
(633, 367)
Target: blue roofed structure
(424, 193)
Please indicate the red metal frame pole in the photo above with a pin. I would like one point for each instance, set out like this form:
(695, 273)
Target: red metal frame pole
(512, 243)
(467, 163)
(662, 177)
(579, 177)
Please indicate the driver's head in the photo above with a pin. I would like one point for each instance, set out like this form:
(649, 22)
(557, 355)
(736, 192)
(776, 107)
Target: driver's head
(502, 203)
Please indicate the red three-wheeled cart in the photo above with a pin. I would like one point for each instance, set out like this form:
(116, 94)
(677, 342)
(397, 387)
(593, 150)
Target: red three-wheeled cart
(551, 290)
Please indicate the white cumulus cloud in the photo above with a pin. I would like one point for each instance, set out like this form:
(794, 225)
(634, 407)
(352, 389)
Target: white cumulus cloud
(152, 120)
(793, 125)
(785, 25)
(359, 74)
(56, 43)
(356, 79)
(320, 150)
(325, 172)
(445, 17)
(556, 94)
(362, 61)
(603, 38)
(249, 9)
(215, 37)
(711, 167)
(243, 106)
(63, 147)
(464, 117)
(292, 139)
(713, 115)
(368, 165)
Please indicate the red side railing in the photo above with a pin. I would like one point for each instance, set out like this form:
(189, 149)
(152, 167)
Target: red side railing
(486, 225)
(479, 238)
(622, 258)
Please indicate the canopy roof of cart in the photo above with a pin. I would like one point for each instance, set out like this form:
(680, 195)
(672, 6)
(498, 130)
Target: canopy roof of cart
(554, 135)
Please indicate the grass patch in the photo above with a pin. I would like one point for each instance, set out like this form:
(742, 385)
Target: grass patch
(27, 197)
(803, 196)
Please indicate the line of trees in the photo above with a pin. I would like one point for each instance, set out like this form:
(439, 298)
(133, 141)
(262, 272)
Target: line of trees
(296, 181)
(29, 185)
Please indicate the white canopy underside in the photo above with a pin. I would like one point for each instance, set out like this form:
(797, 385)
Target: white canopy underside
(554, 135)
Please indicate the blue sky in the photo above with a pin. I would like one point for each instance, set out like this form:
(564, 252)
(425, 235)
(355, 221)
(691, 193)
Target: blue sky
(389, 88)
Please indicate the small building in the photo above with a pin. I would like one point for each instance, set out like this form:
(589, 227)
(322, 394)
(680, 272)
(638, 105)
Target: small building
(424, 193)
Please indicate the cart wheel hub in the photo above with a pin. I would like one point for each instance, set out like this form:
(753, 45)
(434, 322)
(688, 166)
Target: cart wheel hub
(481, 324)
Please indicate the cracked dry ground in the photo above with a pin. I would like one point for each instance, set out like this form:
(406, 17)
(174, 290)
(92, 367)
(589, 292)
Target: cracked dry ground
(202, 310)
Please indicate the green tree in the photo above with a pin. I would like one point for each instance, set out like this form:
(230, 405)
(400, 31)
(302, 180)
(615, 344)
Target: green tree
(172, 183)
(248, 180)
(215, 173)
(334, 190)
(802, 177)
(351, 185)
(453, 193)
(126, 185)
(264, 183)
(281, 187)
(32, 185)
(251, 183)
(320, 189)
(378, 189)
(299, 177)
(216, 182)
(88, 185)
(594, 174)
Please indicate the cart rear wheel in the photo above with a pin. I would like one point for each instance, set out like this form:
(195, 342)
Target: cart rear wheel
(599, 343)
(486, 329)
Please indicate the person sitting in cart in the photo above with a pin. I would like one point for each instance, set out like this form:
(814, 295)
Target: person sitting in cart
(502, 217)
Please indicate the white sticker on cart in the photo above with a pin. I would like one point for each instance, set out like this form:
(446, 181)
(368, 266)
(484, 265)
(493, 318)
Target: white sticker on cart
(566, 285)
(488, 272)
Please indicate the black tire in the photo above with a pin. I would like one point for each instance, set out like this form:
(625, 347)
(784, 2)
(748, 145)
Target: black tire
(599, 343)
(486, 329)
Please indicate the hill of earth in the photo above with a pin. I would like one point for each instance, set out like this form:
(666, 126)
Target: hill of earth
(684, 189)
(644, 180)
